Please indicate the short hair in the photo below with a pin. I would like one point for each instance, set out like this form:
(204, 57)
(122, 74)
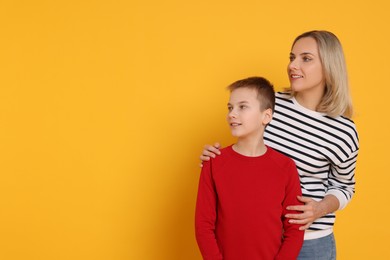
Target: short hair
(264, 88)
(337, 99)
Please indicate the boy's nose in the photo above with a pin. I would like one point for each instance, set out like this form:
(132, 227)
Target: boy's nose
(232, 114)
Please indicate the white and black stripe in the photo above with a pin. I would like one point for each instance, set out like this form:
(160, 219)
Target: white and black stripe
(324, 150)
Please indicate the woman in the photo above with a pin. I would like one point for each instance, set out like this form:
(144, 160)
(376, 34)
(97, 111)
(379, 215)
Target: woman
(312, 125)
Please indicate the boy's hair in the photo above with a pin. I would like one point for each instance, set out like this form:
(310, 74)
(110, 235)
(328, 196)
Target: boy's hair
(264, 88)
(336, 100)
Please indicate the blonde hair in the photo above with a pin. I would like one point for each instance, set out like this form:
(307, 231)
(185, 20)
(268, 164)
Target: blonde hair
(337, 99)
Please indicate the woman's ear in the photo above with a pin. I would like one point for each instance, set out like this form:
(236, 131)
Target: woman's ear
(267, 116)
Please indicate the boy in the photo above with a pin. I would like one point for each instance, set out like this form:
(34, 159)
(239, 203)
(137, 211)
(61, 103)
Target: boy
(244, 192)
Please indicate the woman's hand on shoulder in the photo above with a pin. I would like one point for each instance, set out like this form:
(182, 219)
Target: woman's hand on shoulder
(209, 151)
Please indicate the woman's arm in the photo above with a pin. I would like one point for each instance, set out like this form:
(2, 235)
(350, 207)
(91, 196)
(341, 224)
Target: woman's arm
(341, 188)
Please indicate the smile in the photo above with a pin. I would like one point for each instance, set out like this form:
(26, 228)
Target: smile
(295, 76)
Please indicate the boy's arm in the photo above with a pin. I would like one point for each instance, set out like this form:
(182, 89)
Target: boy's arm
(292, 236)
(206, 215)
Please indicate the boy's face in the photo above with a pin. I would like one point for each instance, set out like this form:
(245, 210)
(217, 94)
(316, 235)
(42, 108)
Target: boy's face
(245, 117)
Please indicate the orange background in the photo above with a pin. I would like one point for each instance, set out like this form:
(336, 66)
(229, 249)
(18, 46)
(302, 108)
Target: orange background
(105, 107)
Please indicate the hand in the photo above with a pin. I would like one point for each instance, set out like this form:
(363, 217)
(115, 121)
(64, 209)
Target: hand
(310, 212)
(209, 151)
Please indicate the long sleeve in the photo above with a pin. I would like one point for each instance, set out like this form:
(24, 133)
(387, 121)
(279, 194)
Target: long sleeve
(206, 215)
(292, 236)
(342, 179)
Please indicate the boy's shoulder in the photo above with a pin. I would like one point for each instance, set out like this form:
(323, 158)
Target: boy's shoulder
(279, 159)
(225, 156)
(226, 152)
(227, 149)
(220, 160)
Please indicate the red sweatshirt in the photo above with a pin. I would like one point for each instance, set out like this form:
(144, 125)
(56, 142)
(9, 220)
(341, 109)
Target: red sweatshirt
(241, 206)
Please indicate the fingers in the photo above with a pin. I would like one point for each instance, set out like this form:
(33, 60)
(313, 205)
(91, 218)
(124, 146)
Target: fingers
(301, 221)
(306, 212)
(304, 199)
(208, 152)
(307, 216)
(298, 208)
(304, 218)
(204, 158)
(211, 150)
(309, 204)
(305, 226)
(206, 155)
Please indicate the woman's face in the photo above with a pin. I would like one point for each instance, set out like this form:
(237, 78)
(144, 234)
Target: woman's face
(305, 69)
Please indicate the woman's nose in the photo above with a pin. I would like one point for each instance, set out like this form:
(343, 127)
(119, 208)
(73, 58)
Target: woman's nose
(293, 65)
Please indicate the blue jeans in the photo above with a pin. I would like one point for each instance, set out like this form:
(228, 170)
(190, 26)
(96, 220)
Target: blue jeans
(323, 248)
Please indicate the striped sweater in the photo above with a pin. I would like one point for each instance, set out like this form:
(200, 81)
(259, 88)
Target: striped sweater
(324, 149)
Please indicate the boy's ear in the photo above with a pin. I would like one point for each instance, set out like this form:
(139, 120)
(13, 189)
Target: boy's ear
(267, 116)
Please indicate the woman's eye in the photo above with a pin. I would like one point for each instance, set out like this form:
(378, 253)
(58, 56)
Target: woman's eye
(306, 59)
(291, 58)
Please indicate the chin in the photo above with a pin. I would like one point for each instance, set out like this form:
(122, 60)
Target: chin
(235, 134)
(295, 88)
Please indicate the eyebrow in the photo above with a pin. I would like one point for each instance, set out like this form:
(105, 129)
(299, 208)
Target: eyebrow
(303, 53)
(241, 102)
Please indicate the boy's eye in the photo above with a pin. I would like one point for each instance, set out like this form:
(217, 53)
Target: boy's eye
(242, 106)
(230, 108)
